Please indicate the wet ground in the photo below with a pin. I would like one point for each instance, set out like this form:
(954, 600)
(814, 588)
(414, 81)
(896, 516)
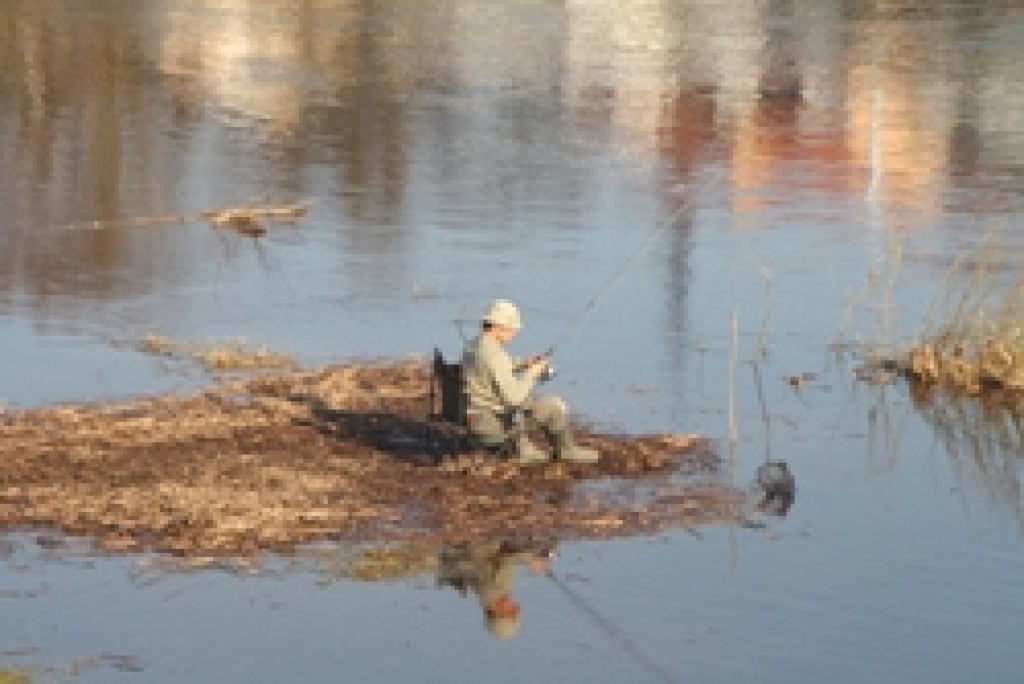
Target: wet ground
(352, 453)
(807, 169)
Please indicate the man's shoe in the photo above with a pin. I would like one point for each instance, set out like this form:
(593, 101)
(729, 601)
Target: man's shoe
(528, 454)
(578, 454)
(566, 449)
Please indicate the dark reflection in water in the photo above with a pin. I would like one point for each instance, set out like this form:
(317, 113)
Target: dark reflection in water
(482, 570)
(984, 437)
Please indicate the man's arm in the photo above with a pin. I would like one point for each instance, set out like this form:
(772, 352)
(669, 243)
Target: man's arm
(513, 386)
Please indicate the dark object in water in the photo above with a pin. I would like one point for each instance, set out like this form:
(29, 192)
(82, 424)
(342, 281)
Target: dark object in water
(778, 487)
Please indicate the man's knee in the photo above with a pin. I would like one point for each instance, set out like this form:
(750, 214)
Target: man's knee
(549, 410)
(486, 428)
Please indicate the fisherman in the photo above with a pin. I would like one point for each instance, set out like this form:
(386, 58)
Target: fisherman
(498, 387)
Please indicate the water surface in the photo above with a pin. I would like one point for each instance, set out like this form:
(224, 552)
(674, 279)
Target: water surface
(762, 160)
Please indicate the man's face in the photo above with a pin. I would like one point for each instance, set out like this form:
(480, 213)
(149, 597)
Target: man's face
(506, 334)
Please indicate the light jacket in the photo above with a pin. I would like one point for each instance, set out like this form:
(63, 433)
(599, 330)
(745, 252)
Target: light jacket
(492, 381)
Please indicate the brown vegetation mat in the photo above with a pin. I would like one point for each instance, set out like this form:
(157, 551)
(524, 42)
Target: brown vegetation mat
(973, 334)
(981, 366)
(342, 453)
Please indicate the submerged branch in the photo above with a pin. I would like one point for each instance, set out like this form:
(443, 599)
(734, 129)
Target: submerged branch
(249, 220)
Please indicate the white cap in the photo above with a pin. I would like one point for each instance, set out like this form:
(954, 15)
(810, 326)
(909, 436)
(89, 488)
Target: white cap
(503, 313)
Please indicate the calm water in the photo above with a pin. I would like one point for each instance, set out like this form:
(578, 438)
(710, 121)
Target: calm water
(759, 158)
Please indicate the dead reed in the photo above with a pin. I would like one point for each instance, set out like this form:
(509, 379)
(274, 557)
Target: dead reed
(219, 357)
(973, 336)
(14, 677)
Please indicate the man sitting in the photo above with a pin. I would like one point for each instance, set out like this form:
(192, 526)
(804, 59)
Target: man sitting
(497, 386)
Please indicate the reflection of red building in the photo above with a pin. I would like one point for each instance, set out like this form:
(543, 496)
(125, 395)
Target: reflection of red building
(772, 149)
(890, 147)
(686, 129)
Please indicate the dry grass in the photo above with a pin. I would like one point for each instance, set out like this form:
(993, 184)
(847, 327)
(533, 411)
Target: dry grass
(14, 677)
(341, 453)
(966, 367)
(973, 337)
(219, 357)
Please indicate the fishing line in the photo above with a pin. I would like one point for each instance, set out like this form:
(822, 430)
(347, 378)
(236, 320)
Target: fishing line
(576, 325)
(621, 639)
(460, 323)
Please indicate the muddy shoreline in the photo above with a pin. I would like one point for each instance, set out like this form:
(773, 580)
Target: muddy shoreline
(345, 453)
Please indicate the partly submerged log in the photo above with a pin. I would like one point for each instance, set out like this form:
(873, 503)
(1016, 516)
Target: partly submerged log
(341, 453)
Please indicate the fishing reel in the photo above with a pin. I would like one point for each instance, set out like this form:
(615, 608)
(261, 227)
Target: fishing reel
(548, 374)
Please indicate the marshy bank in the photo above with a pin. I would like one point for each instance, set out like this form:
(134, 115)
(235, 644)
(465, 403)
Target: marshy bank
(339, 453)
(971, 340)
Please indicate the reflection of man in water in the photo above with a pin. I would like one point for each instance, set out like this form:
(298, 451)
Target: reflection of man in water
(488, 569)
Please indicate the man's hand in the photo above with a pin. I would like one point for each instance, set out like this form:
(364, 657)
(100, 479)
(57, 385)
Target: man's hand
(537, 362)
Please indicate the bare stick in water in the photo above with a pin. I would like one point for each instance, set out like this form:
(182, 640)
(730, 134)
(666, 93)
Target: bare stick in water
(733, 431)
(733, 439)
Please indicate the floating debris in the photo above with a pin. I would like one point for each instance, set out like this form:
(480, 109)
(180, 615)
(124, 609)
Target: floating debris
(14, 677)
(135, 222)
(249, 220)
(797, 380)
(243, 221)
(344, 453)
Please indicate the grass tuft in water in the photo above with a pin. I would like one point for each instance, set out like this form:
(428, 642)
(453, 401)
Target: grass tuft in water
(974, 331)
(219, 357)
(14, 677)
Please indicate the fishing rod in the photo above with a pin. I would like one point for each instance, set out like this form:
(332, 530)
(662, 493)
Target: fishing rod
(576, 325)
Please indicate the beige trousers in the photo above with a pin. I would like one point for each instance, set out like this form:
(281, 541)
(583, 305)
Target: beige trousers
(548, 412)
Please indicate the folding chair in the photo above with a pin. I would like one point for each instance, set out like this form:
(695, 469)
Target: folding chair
(447, 381)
